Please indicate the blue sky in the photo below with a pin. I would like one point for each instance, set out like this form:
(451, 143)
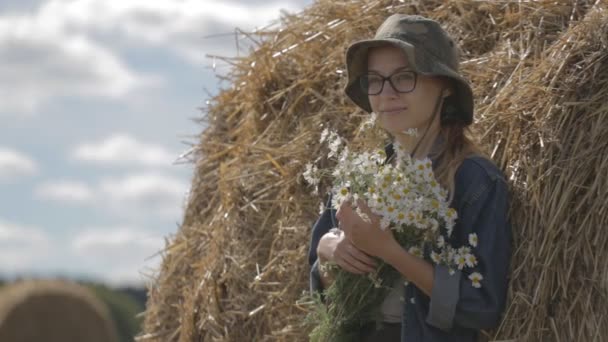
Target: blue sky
(97, 99)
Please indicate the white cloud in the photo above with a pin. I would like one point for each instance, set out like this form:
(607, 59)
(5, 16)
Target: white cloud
(69, 48)
(179, 25)
(109, 241)
(13, 164)
(67, 191)
(146, 194)
(121, 252)
(22, 247)
(136, 196)
(42, 59)
(122, 148)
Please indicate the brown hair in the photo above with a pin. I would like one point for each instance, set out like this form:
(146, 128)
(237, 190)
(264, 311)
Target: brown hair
(458, 144)
(458, 140)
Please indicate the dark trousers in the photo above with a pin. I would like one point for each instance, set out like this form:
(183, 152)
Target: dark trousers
(387, 332)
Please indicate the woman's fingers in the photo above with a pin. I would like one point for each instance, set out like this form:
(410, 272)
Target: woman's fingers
(353, 260)
(349, 267)
(366, 209)
(344, 211)
(366, 268)
(363, 258)
(352, 265)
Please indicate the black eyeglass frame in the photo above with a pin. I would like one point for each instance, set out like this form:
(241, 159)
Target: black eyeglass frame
(390, 81)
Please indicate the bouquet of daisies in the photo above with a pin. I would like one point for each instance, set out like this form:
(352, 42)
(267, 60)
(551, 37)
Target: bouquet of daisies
(411, 203)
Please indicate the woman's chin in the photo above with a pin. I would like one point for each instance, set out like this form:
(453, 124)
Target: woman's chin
(394, 128)
(393, 121)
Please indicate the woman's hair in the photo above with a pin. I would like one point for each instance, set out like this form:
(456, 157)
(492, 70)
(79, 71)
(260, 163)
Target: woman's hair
(458, 144)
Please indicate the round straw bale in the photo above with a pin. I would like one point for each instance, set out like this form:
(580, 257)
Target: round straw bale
(237, 267)
(53, 311)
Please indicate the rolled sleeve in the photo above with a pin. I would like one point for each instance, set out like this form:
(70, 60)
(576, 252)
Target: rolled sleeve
(445, 294)
(454, 301)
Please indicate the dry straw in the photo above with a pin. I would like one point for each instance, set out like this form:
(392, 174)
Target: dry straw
(53, 311)
(237, 266)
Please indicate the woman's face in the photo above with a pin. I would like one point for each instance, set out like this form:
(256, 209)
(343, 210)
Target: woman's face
(398, 112)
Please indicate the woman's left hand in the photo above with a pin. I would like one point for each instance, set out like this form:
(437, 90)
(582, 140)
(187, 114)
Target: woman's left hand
(365, 235)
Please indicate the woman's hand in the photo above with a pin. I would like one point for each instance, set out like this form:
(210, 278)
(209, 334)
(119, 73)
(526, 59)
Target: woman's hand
(366, 235)
(337, 248)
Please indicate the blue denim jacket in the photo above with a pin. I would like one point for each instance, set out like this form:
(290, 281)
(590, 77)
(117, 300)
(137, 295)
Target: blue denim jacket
(456, 311)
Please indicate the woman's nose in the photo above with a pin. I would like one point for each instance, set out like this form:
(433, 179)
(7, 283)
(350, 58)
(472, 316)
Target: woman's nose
(388, 90)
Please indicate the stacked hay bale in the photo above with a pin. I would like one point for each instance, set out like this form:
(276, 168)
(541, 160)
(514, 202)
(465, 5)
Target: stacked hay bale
(53, 311)
(237, 266)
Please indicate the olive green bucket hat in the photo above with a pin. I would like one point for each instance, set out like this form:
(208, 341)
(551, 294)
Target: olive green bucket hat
(429, 50)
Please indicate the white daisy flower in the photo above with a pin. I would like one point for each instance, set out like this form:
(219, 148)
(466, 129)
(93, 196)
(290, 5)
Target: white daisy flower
(342, 194)
(324, 135)
(434, 224)
(464, 250)
(415, 251)
(435, 257)
(370, 122)
(460, 260)
(310, 174)
(470, 260)
(476, 279)
(401, 218)
(334, 145)
(450, 229)
(473, 239)
(440, 241)
(449, 226)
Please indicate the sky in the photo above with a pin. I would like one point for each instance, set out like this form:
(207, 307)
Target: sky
(98, 100)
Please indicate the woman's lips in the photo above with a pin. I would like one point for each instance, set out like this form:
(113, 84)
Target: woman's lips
(392, 110)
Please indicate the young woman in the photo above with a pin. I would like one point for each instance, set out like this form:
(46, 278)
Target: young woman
(408, 75)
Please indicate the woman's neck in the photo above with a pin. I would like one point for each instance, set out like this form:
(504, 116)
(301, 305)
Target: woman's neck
(424, 147)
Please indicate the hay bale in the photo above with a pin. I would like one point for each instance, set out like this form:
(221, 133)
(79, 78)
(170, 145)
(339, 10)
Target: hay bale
(237, 266)
(53, 311)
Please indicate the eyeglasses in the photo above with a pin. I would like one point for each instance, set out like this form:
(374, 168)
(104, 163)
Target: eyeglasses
(402, 82)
